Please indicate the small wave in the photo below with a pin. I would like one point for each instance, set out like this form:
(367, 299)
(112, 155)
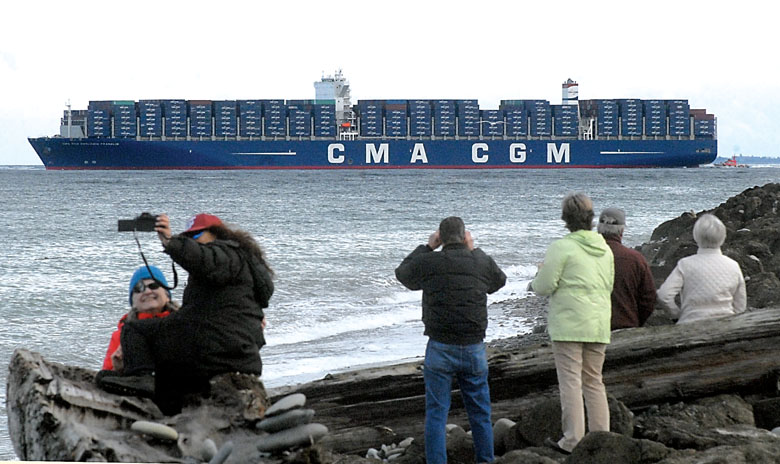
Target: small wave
(22, 167)
(401, 297)
(304, 330)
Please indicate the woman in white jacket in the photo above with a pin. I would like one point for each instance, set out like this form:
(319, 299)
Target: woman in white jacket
(710, 284)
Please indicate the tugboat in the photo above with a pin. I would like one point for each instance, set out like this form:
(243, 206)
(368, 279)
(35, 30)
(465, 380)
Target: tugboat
(732, 163)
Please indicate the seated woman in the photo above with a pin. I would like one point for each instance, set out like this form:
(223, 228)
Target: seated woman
(148, 299)
(219, 327)
(710, 285)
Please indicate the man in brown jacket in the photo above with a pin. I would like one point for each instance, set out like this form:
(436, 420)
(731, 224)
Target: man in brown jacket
(633, 293)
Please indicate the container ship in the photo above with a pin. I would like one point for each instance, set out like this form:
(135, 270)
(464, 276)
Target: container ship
(330, 132)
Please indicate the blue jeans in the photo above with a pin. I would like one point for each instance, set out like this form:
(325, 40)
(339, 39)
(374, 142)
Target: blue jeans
(467, 364)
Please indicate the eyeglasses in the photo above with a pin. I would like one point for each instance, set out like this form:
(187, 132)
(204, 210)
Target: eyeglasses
(141, 287)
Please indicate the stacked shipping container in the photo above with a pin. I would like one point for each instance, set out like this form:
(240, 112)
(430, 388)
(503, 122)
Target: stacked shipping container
(99, 119)
(468, 118)
(420, 118)
(607, 114)
(566, 120)
(250, 116)
(275, 114)
(325, 118)
(703, 123)
(655, 117)
(150, 118)
(175, 116)
(444, 118)
(516, 117)
(371, 114)
(541, 117)
(392, 118)
(200, 118)
(679, 118)
(631, 117)
(299, 113)
(124, 114)
(396, 114)
(225, 118)
(492, 122)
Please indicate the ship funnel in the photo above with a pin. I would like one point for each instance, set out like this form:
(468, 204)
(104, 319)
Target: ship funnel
(570, 93)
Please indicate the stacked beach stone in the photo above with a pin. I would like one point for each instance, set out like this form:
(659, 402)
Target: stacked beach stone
(288, 425)
(193, 448)
(390, 452)
(285, 426)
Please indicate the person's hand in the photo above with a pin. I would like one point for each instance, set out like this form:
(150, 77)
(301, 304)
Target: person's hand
(262, 324)
(469, 240)
(163, 228)
(434, 240)
(117, 360)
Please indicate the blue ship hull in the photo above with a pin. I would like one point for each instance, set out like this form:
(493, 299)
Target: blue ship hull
(59, 153)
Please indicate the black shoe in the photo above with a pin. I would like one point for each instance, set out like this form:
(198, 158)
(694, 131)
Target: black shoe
(550, 443)
(130, 385)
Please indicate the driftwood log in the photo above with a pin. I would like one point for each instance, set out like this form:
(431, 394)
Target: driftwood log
(644, 366)
(55, 412)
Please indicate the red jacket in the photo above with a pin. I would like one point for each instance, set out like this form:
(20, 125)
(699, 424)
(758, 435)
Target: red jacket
(633, 293)
(115, 341)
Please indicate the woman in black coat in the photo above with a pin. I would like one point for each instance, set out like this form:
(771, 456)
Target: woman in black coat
(219, 327)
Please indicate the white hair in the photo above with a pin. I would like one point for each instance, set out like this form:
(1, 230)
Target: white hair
(709, 231)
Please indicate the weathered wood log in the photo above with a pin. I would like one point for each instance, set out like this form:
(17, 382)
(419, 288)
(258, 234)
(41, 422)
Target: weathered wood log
(643, 366)
(55, 412)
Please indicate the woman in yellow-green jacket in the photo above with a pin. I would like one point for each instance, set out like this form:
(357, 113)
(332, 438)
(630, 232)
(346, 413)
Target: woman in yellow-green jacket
(577, 273)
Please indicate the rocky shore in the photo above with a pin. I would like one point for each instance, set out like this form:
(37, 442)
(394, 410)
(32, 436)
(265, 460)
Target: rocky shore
(703, 394)
(729, 420)
(677, 395)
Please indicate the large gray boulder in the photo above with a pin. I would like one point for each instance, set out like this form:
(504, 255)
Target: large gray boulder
(706, 423)
(543, 420)
(766, 413)
(749, 454)
(613, 448)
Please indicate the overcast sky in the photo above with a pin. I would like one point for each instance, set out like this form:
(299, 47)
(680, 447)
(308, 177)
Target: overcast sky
(722, 56)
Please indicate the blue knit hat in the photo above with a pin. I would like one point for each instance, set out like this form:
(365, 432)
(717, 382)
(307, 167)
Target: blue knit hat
(143, 273)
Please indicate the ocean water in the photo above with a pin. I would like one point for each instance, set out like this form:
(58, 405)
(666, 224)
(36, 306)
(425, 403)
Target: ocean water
(333, 238)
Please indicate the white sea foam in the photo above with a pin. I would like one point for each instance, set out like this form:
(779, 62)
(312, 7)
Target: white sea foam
(354, 319)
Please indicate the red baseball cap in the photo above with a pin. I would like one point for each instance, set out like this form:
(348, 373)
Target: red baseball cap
(202, 221)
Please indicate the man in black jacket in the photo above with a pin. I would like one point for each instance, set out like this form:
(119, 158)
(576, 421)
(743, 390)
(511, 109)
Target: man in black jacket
(455, 283)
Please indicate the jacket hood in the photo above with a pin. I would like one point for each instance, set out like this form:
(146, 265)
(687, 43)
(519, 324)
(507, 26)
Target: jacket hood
(591, 242)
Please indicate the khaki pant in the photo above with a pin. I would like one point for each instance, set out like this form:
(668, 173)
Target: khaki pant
(579, 374)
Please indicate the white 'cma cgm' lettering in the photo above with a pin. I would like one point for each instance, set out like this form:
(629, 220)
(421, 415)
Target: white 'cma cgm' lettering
(476, 156)
(381, 156)
(332, 157)
(418, 154)
(479, 153)
(554, 154)
(517, 153)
